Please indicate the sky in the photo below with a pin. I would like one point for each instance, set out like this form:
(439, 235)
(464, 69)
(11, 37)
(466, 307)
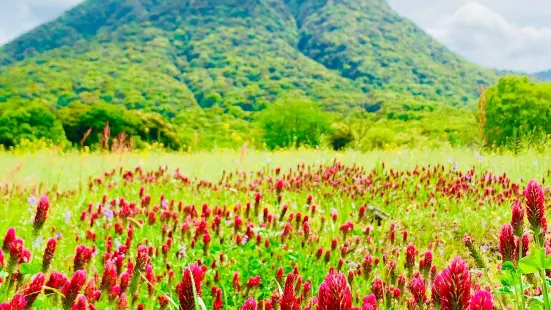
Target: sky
(502, 34)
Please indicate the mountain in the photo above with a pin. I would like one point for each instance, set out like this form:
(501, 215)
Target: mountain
(544, 75)
(166, 56)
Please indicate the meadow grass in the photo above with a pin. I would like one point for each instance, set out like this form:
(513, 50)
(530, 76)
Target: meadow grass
(67, 169)
(416, 189)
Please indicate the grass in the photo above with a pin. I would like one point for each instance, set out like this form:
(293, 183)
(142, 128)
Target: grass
(418, 193)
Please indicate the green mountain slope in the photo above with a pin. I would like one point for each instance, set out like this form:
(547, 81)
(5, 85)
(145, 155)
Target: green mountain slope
(373, 46)
(165, 56)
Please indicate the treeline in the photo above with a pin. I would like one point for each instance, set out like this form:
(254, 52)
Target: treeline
(387, 120)
(517, 112)
(511, 114)
(82, 125)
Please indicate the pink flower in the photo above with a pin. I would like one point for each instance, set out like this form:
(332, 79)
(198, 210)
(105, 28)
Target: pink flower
(123, 302)
(370, 302)
(481, 300)
(507, 246)
(55, 281)
(34, 289)
(150, 276)
(253, 282)
(535, 208)
(82, 257)
(109, 278)
(454, 286)
(411, 253)
(218, 304)
(185, 288)
(378, 288)
(41, 212)
(8, 239)
(334, 293)
(288, 300)
(72, 289)
(18, 302)
(418, 290)
(142, 258)
(250, 304)
(124, 280)
(81, 303)
(517, 219)
(49, 254)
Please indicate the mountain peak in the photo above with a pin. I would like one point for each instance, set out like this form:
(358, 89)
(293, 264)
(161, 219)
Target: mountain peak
(234, 53)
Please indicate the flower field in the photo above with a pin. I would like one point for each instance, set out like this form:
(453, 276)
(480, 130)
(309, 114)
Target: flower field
(326, 234)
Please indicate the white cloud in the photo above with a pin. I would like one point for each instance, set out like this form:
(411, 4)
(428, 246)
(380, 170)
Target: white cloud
(19, 16)
(486, 37)
(511, 34)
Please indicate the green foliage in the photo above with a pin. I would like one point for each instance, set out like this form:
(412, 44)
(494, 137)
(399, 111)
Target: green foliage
(199, 71)
(517, 108)
(288, 123)
(30, 122)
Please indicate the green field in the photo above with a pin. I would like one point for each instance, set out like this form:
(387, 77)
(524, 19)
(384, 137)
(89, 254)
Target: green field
(432, 196)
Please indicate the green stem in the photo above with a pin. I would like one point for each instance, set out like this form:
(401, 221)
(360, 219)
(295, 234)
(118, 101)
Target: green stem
(544, 280)
(517, 299)
(522, 295)
(493, 288)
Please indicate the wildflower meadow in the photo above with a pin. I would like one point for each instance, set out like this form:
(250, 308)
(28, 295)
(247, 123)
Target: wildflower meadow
(291, 230)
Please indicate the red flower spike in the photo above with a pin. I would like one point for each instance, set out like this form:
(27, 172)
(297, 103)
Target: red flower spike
(18, 302)
(41, 213)
(288, 300)
(250, 304)
(535, 208)
(517, 219)
(109, 278)
(72, 289)
(34, 289)
(218, 303)
(507, 246)
(418, 290)
(334, 293)
(454, 286)
(411, 253)
(123, 302)
(8, 239)
(185, 288)
(481, 300)
(81, 303)
(370, 302)
(163, 302)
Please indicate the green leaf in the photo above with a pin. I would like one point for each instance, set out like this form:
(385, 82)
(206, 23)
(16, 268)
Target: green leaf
(535, 302)
(530, 264)
(30, 269)
(547, 262)
(508, 266)
(505, 290)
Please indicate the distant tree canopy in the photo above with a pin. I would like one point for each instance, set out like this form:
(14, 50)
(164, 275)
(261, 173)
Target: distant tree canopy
(517, 107)
(31, 122)
(293, 122)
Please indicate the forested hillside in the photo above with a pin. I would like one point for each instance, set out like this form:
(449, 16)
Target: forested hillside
(178, 58)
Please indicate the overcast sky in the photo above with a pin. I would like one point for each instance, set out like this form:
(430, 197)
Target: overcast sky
(504, 34)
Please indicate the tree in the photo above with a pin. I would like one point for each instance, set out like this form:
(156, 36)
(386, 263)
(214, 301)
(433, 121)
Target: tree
(32, 122)
(289, 122)
(517, 107)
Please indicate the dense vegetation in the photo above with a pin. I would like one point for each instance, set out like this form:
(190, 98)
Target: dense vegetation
(207, 67)
(319, 234)
(517, 109)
